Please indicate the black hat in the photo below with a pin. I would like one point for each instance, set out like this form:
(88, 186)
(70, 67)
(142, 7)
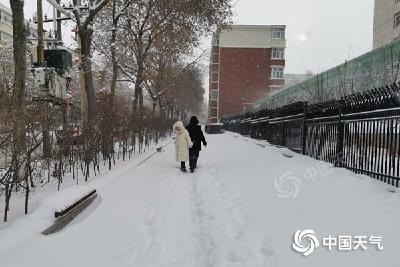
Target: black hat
(194, 120)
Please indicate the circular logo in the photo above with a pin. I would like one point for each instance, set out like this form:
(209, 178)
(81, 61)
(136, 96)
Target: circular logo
(287, 186)
(305, 242)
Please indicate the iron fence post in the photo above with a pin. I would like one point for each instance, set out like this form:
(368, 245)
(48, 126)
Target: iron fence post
(340, 138)
(304, 133)
(283, 135)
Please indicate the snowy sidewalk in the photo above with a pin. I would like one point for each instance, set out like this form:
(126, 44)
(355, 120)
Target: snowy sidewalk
(231, 212)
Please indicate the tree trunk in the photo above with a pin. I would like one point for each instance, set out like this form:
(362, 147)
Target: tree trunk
(44, 110)
(138, 93)
(19, 45)
(114, 57)
(7, 201)
(86, 39)
(154, 107)
(160, 107)
(27, 190)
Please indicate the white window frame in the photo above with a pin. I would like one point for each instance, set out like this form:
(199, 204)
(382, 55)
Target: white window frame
(215, 41)
(279, 71)
(396, 20)
(278, 33)
(212, 76)
(5, 17)
(5, 36)
(212, 58)
(278, 53)
(214, 95)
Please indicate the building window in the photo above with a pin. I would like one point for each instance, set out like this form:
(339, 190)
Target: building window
(4, 16)
(278, 53)
(214, 77)
(396, 20)
(278, 33)
(277, 73)
(215, 40)
(5, 36)
(214, 95)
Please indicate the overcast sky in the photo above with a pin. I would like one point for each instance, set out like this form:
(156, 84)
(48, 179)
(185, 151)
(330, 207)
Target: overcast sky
(320, 34)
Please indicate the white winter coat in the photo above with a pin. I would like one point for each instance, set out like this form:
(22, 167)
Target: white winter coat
(182, 142)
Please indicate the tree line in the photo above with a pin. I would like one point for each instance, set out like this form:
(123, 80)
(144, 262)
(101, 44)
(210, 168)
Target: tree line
(146, 76)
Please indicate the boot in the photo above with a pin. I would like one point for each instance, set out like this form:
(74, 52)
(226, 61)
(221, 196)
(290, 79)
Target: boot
(183, 167)
(192, 164)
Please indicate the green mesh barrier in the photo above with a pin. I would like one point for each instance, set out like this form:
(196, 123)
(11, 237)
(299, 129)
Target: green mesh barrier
(374, 69)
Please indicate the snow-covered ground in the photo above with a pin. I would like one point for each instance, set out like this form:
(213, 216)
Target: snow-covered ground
(240, 208)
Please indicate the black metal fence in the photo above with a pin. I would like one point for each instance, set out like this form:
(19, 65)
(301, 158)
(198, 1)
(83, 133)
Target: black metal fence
(360, 132)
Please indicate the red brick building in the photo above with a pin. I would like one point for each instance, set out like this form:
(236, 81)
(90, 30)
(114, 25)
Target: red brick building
(246, 63)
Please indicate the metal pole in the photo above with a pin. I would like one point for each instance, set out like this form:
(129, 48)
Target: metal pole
(55, 20)
(340, 137)
(40, 46)
(59, 28)
(43, 104)
(304, 133)
(58, 31)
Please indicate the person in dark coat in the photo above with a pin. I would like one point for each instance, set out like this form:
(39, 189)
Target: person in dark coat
(197, 136)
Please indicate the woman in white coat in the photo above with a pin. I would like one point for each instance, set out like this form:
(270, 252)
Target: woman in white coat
(182, 144)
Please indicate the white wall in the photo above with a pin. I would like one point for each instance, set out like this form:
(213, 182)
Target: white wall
(254, 36)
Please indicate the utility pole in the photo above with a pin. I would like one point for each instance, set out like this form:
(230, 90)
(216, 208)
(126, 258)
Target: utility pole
(59, 29)
(44, 108)
(58, 32)
(40, 45)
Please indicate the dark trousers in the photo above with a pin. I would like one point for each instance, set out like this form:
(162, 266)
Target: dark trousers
(183, 166)
(193, 157)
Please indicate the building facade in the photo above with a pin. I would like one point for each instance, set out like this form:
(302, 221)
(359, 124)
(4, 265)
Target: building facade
(246, 62)
(6, 29)
(386, 22)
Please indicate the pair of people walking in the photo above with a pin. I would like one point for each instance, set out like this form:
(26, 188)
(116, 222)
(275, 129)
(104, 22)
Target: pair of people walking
(188, 143)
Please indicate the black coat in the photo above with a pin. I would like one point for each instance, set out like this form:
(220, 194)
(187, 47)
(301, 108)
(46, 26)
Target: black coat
(197, 136)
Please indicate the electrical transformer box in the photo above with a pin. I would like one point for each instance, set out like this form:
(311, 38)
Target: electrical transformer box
(58, 58)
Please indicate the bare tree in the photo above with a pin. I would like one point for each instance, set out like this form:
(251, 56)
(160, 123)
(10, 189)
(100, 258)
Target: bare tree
(18, 100)
(152, 24)
(84, 16)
